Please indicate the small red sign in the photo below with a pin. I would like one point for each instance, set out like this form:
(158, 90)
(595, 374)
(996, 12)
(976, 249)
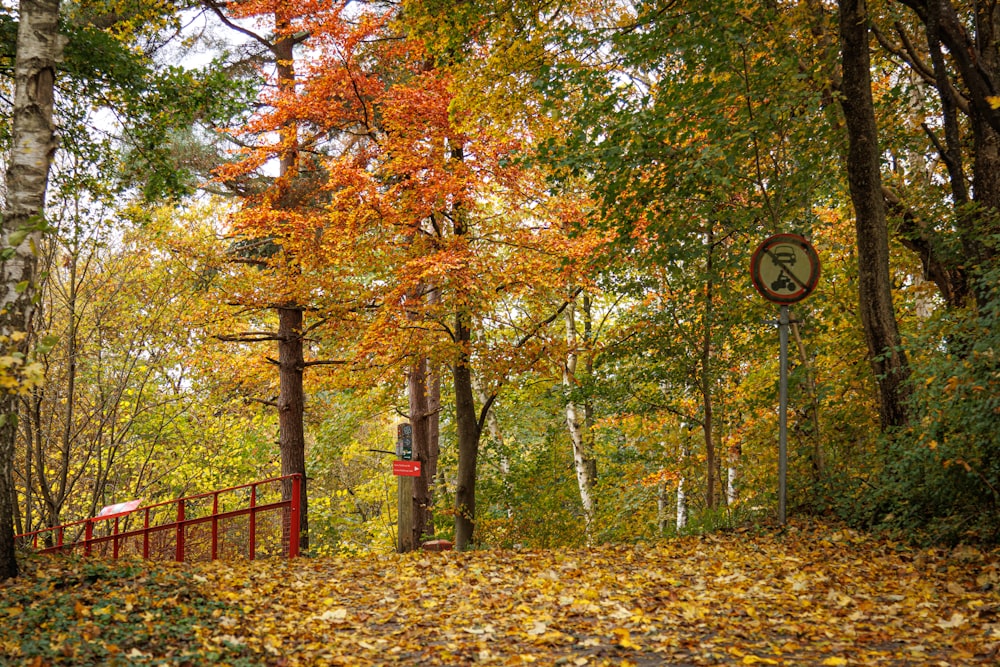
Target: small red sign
(406, 468)
(120, 508)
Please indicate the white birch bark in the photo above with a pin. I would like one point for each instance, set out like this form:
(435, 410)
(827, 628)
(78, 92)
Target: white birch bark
(39, 48)
(582, 457)
(682, 512)
(732, 492)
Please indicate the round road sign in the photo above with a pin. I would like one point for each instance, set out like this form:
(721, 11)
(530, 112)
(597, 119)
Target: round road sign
(785, 268)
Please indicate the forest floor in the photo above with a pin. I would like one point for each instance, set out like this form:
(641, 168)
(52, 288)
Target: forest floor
(810, 595)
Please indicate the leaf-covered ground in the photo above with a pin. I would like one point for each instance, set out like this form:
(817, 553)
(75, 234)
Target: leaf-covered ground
(812, 595)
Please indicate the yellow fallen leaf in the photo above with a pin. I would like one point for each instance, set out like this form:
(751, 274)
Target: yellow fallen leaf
(750, 659)
(835, 660)
(625, 639)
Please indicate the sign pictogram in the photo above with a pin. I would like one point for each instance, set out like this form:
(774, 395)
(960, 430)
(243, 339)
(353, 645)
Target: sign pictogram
(785, 268)
(404, 442)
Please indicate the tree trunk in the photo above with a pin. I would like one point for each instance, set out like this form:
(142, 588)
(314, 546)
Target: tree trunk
(433, 436)
(733, 472)
(39, 47)
(875, 296)
(468, 440)
(661, 508)
(981, 232)
(682, 508)
(576, 422)
(423, 525)
(711, 458)
(816, 451)
(291, 363)
(29, 482)
(291, 407)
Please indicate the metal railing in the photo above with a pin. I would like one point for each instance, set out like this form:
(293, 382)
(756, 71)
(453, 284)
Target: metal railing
(256, 520)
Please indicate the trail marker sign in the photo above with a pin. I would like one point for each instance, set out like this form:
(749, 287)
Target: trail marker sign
(785, 268)
(404, 441)
(406, 468)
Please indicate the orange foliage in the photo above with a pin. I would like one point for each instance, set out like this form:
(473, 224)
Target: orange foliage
(396, 191)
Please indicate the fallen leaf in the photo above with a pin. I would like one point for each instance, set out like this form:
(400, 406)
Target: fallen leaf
(957, 620)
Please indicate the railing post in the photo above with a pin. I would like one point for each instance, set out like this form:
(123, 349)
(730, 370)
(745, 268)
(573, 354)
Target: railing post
(145, 535)
(215, 526)
(179, 555)
(88, 535)
(293, 524)
(59, 537)
(114, 542)
(253, 522)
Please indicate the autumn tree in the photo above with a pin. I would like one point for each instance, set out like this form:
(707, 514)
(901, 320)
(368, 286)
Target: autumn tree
(412, 192)
(38, 50)
(863, 171)
(939, 171)
(286, 191)
(127, 411)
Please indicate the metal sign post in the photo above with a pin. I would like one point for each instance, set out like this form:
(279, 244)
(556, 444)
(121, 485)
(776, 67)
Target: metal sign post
(784, 269)
(783, 322)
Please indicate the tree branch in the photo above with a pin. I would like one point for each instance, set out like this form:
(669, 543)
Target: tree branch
(328, 362)
(248, 337)
(488, 403)
(268, 403)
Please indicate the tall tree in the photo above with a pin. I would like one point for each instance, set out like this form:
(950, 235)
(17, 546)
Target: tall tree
(39, 48)
(957, 60)
(427, 200)
(284, 193)
(864, 175)
(579, 406)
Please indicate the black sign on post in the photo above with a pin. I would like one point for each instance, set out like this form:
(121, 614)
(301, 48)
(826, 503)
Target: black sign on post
(404, 442)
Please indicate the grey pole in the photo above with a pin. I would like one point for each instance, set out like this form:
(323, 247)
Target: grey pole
(783, 323)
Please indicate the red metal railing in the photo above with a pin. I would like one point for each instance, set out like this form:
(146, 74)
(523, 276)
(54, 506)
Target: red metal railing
(256, 520)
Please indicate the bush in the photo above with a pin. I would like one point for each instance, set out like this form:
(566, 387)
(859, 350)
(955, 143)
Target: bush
(942, 475)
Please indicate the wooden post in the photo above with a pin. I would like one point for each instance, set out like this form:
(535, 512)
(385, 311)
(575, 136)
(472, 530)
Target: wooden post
(405, 541)
(295, 517)
(179, 545)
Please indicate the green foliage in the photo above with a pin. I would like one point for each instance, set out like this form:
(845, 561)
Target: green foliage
(165, 149)
(536, 503)
(352, 493)
(542, 499)
(942, 474)
(88, 613)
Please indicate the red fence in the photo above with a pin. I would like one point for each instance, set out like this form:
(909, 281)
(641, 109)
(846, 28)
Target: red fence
(257, 520)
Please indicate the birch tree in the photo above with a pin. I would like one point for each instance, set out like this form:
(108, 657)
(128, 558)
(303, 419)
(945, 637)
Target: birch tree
(579, 414)
(39, 48)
